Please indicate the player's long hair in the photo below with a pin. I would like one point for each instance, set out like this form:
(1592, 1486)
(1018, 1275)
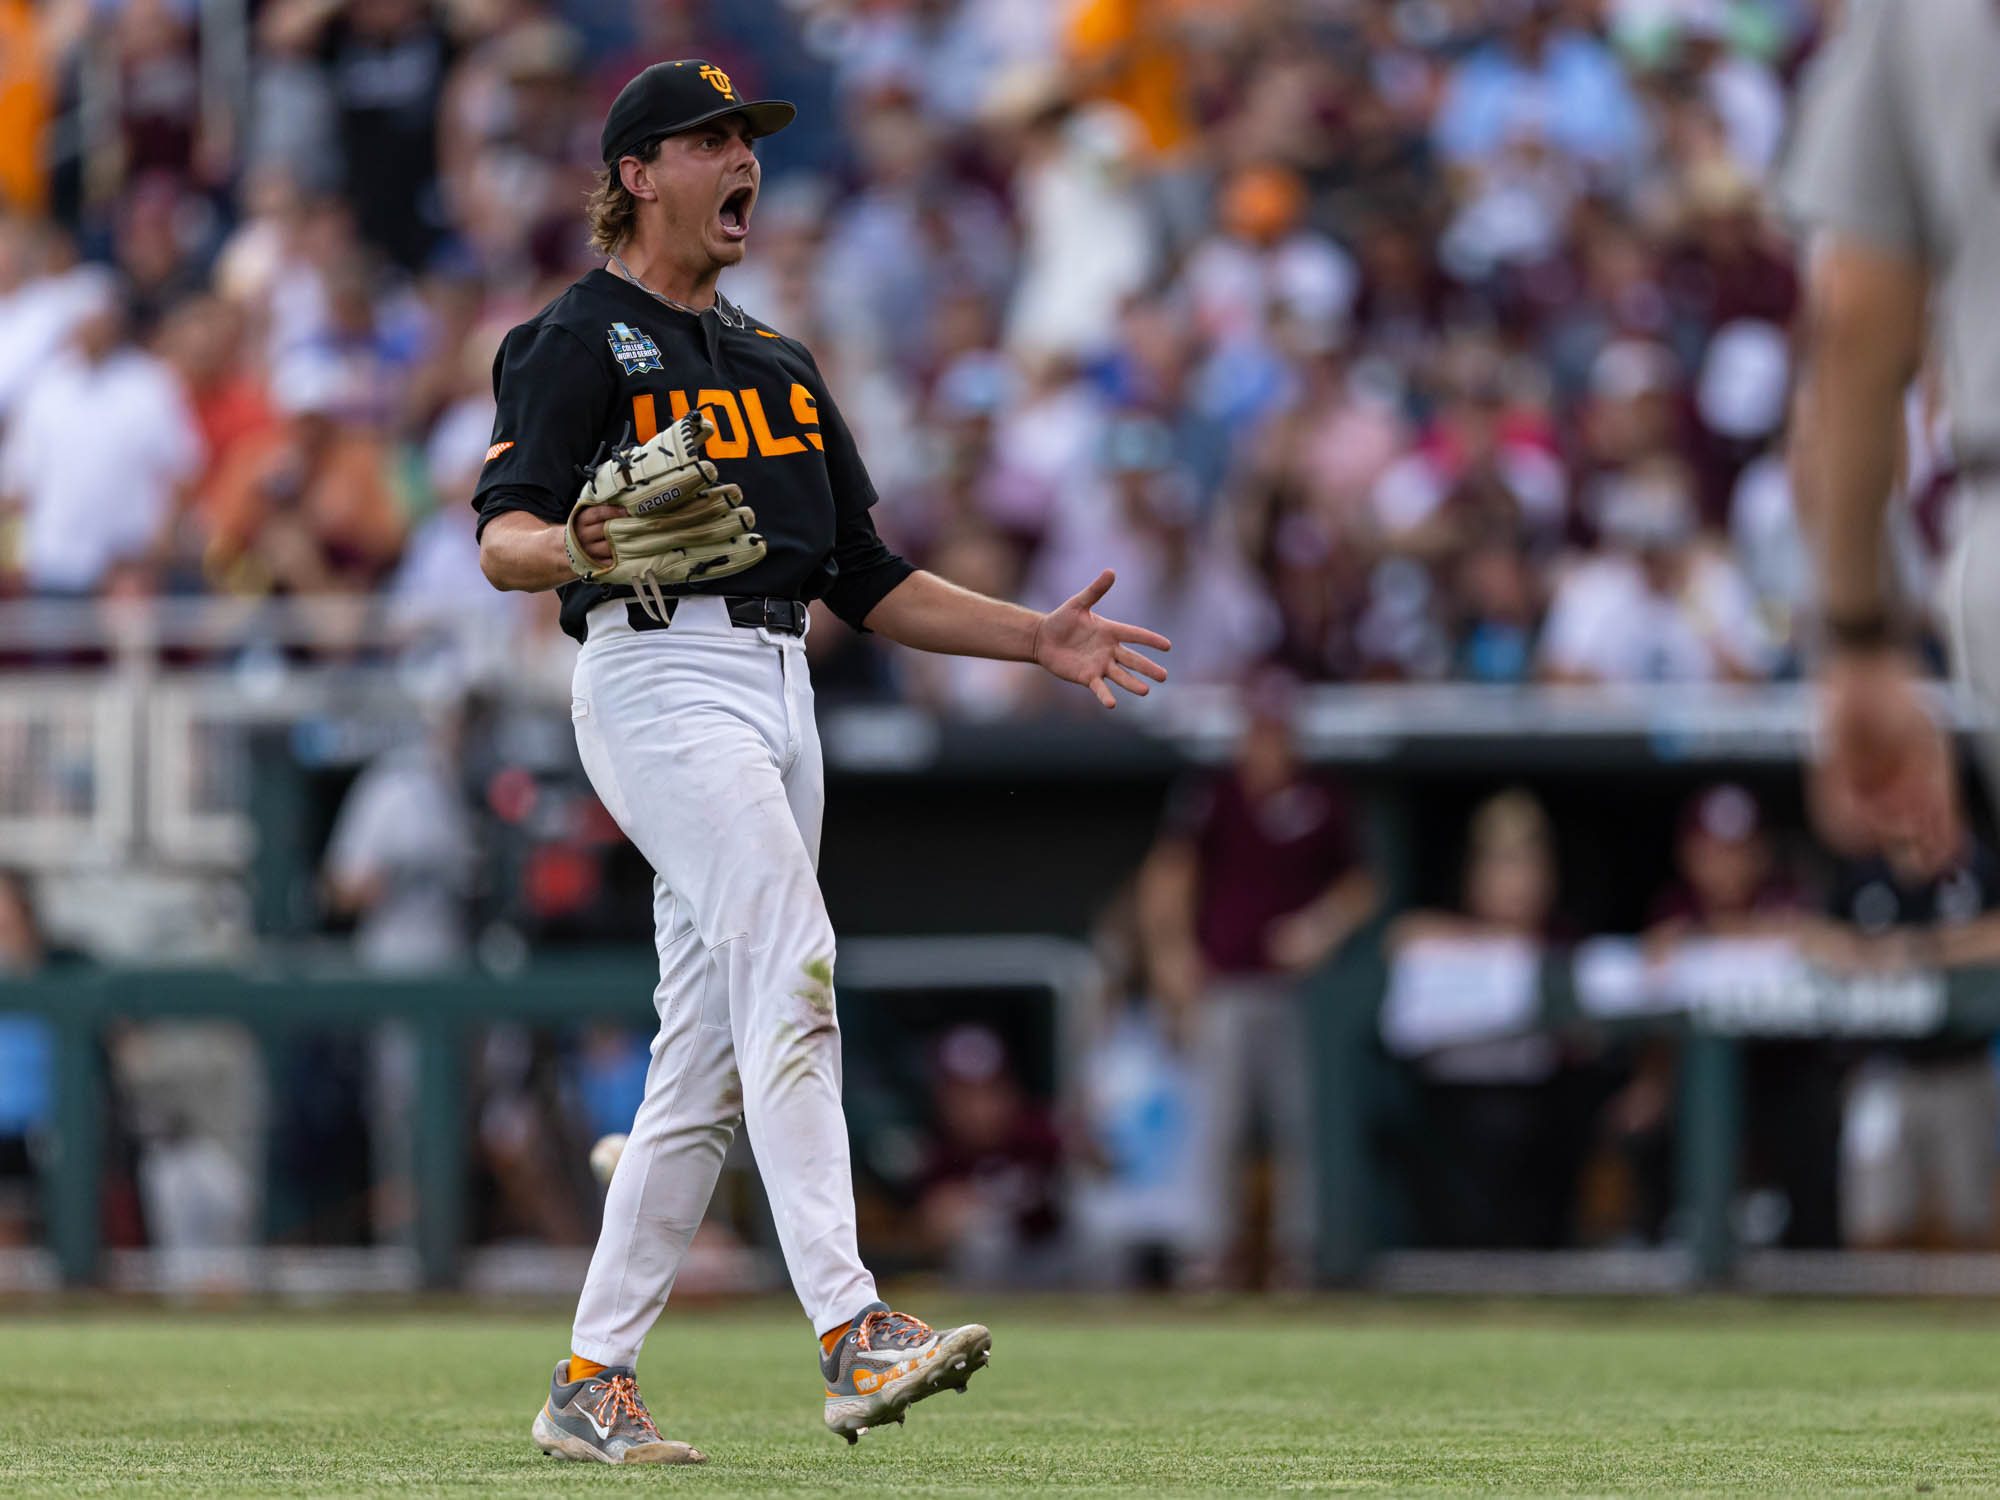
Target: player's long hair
(610, 206)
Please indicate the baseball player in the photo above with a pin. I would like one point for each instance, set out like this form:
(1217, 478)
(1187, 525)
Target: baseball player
(1895, 174)
(720, 492)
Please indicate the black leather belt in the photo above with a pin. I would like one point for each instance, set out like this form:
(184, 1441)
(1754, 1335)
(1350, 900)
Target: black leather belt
(750, 611)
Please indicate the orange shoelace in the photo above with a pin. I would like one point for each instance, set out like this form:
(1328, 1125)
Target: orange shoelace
(890, 1323)
(621, 1394)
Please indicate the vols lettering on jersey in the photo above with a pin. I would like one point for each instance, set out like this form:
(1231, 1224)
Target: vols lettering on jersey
(739, 420)
(607, 364)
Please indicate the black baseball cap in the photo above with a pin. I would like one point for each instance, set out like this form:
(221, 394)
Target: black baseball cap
(670, 97)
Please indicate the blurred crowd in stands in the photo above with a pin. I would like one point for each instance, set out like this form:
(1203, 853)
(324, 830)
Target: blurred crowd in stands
(1389, 339)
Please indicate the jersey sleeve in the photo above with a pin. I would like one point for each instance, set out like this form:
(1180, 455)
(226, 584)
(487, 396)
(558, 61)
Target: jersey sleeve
(866, 569)
(553, 397)
(1849, 167)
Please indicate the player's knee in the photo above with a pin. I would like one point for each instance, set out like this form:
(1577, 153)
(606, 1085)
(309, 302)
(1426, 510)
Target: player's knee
(800, 1043)
(812, 993)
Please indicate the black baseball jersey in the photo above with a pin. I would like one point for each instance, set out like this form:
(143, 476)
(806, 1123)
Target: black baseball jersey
(607, 363)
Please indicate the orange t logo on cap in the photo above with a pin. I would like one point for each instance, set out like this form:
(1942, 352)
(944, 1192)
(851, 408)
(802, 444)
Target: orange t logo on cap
(719, 79)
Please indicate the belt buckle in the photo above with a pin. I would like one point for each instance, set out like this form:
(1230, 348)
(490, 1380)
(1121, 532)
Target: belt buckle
(774, 618)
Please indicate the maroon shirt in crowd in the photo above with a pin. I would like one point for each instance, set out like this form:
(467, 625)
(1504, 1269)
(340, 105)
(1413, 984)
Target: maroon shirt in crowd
(1260, 861)
(1021, 1173)
(1680, 902)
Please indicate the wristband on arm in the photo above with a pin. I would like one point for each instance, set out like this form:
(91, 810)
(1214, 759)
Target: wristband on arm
(1861, 630)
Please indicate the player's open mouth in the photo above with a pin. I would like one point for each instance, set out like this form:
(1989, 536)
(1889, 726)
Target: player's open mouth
(735, 213)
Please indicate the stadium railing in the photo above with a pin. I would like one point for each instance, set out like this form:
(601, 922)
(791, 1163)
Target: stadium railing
(1712, 1022)
(445, 1011)
(1712, 996)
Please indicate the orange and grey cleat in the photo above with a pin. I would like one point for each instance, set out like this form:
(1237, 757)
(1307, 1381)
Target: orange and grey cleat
(887, 1361)
(601, 1419)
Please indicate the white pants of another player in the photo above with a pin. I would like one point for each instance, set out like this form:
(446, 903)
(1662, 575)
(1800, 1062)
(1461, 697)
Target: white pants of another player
(1968, 603)
(700, 741)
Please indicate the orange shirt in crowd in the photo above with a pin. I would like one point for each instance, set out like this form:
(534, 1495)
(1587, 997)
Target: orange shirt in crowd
(347, 503)
(230, 411)
(24, 109)
(1128, 51)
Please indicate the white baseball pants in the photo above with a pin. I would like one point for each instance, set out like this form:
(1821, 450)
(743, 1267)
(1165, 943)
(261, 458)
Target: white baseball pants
(1969, 605)
(699, 739)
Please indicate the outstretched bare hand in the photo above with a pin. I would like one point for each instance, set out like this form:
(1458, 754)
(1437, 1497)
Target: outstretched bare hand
(1085, 648)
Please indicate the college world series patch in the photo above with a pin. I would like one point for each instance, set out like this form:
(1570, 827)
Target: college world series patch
(632, 349)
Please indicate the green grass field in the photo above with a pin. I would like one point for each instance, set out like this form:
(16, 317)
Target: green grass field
(1083, 1398)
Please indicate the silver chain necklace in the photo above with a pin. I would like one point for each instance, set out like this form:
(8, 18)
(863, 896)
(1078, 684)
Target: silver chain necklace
(662, 296)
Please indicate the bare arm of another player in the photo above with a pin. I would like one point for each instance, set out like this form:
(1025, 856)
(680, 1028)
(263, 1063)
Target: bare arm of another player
(1307, 937)
(1865, 330)
(1071, 641)
(520, 551)
(1887, 766)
